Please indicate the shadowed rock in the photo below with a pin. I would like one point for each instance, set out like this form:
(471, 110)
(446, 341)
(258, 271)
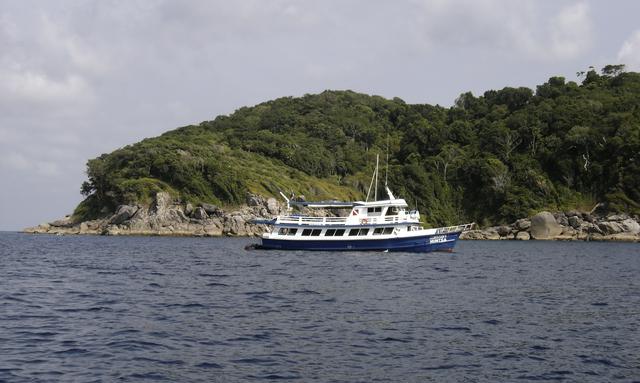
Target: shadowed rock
(522, 224)
(188, 209)
(123, 213)
(200, 214)
(575, 221)
(209, 208)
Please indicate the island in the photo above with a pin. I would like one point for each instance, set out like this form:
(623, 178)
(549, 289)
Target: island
(558, 162)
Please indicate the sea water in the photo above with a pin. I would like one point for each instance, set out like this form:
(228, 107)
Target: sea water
(103, 309)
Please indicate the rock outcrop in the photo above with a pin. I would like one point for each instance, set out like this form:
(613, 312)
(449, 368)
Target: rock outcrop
(124, 213)
(544, 226)
(564, 226)
(168, 217)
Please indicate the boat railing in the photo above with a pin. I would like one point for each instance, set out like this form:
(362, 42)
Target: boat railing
(301, 220)
(457, 228)
(305, 220)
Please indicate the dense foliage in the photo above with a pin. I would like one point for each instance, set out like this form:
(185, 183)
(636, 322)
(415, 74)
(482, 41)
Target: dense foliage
(491, 159)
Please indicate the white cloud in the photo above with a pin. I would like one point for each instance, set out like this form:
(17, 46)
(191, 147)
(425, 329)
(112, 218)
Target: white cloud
(629, 53)
(19, 162)
(29, 86)
(48, 169)
(514, 27)
(12, 160)
(77, 55)
(468, 22)
(8, 27)
(43, 66)
(571, 31)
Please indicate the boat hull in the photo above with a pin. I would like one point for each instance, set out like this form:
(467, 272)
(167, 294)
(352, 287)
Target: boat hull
(423, 243)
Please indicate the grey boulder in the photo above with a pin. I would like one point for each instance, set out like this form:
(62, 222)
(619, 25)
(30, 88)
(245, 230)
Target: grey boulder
(272, 206)
(544, 226)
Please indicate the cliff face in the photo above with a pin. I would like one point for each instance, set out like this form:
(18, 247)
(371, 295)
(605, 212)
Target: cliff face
(168, 217)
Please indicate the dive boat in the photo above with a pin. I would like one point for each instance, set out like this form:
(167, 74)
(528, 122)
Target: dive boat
(380, 225)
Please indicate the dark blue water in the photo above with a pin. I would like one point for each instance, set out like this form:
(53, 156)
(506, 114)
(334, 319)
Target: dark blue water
(102, 309)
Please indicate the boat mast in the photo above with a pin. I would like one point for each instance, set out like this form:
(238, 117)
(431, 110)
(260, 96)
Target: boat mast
(386, 174)
(375, 192)
(374, 177)
(386, 168)
(370, 185)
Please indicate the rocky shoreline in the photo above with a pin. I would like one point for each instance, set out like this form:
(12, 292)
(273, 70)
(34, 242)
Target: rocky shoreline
(564, 226)
(168, 217)
(171, 218)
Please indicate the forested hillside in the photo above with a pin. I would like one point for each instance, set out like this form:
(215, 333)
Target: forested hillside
(490, 159)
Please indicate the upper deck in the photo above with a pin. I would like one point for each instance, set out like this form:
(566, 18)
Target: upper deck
(352, 220)
(392, 211)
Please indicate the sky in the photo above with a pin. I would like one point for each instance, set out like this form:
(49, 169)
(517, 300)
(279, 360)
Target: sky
(81, 78)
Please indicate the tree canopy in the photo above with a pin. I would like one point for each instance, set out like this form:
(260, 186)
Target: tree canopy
(491, 158)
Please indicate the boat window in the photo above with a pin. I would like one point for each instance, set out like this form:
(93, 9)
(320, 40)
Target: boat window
(306, 232)
(316, 232)
(363, 232)
(388, 230)
(287, 231)
(337, 232)
(377, 231)
(374, 209)
(392, 211)
(353, 232)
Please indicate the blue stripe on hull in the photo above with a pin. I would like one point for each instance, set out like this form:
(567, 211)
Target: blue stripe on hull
(414, 244)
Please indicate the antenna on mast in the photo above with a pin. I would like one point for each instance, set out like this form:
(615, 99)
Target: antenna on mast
(386, 168)
(386, 175)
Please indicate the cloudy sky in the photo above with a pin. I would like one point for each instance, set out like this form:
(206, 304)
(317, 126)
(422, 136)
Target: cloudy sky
(81, 78)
